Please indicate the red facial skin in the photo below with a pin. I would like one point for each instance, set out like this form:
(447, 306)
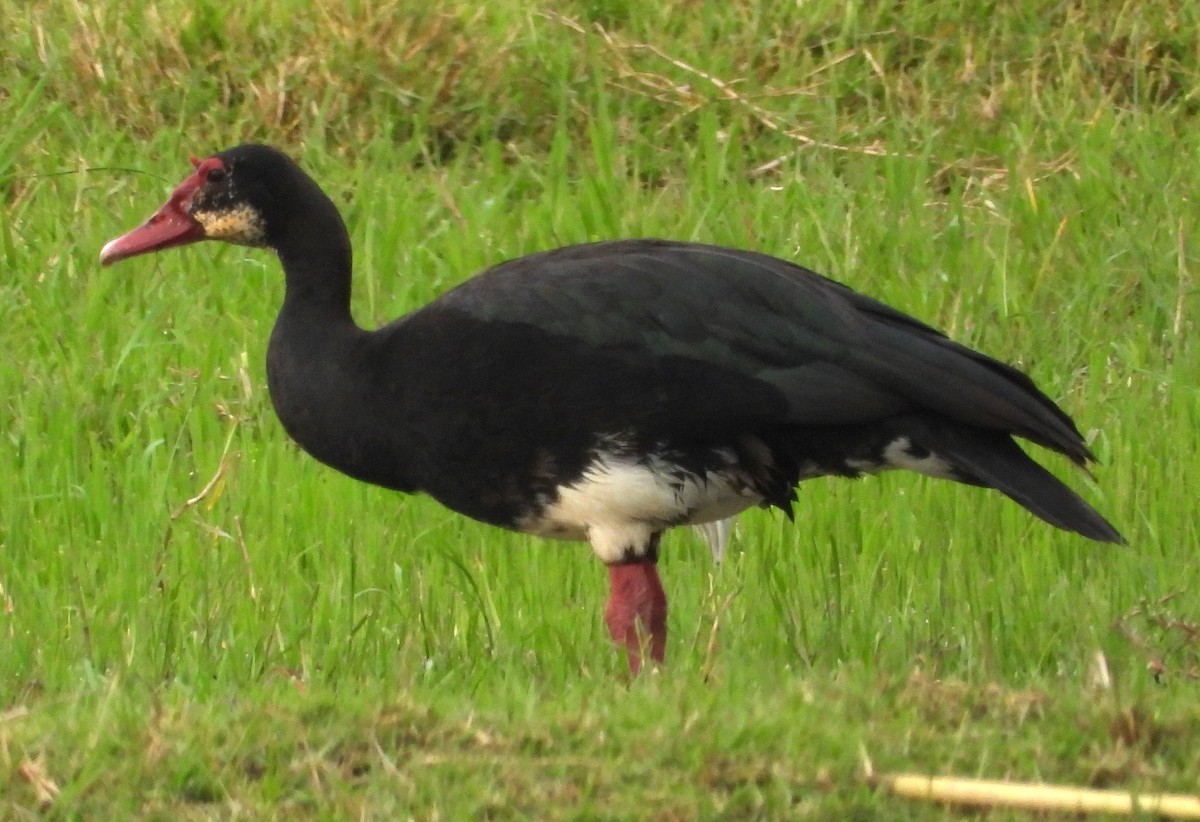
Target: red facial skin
(172, 225)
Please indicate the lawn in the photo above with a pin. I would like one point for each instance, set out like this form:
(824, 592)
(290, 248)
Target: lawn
(199, 621)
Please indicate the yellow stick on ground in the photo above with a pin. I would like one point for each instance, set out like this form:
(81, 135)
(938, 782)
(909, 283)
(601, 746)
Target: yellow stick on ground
(990, 793)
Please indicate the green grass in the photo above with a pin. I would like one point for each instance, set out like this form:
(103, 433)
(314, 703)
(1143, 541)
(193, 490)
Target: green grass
(293, 643)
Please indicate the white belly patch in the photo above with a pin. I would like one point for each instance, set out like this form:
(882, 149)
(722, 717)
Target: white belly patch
(620, 501)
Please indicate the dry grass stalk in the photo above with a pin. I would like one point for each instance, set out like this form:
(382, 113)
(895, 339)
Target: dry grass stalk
(984, 793)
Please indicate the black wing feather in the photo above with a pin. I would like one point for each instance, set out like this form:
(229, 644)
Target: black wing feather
(836, 355)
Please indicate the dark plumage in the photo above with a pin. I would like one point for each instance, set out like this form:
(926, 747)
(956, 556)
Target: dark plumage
(610, 391)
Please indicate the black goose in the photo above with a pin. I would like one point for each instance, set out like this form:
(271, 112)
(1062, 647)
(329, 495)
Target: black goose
(607, 392)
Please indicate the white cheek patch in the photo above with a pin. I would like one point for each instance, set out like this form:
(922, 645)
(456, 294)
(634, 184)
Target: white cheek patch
(240, 224)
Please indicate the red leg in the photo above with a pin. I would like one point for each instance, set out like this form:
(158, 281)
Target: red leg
(637, 610)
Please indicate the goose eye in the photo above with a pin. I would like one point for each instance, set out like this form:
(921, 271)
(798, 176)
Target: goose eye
(215, 175)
